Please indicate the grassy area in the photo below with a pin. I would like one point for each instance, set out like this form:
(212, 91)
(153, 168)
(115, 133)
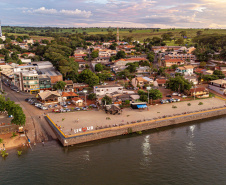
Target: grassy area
(137, 34)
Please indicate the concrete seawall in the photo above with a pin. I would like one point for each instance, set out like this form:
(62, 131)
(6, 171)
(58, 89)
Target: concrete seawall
(67, 140)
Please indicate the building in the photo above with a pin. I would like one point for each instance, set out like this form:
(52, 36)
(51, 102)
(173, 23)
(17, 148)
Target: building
(170, 62)
(187, 70)
(44, 82)
(49, 96)
(123, 62)
(77, 101)
(161, 82)
(219, 86)
(27, 81)
(107, 89)
(199, 92)
(142, 82)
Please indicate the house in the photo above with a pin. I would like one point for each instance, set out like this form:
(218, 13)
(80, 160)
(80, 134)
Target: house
(79, 86)
(49, 96)
(143, 70)
(107, 89)
(123, 62)
(187, 70)
(170, 62)
(69, 84)
(200, 92)
(161, 82)
(68, 95)
(142, 81)
(219, 86)
(207, 72)
(192, 78)
(77, 101)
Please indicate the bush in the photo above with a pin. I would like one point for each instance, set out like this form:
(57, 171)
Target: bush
(14, 135)
(200, 103)
(4, 154)
(174, 107)
(19, 153)
(189, 104)
(1, 140)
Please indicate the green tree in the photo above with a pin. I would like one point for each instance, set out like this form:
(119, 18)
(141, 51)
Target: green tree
(202, 64)
(151, 56)
(88, 77)
(95, 54)
(219, 74)
(106, 99)
(99, 67)
(60, 85)
(183, 33)
(144, 98)
(179, 41)
(178, 84)
(155, 94)
(92, 96)
(120, 54)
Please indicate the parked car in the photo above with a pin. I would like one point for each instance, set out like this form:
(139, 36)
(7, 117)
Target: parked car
(65, 106)
(27, 99)
(177, 100)
(184, 96)
(62, 110)
(69, 103)
(50, 106)
(77, 108)
(56, 110)
(93, 105)
(175, 94)
(168, 95)
(55, 105)
(68, 110)
(84, 108)
(44, 108)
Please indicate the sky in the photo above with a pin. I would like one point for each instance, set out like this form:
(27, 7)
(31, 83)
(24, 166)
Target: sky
(114, 13)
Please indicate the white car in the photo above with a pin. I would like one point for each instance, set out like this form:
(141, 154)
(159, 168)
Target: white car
(44, 108)
(175, 94)
(184, 96)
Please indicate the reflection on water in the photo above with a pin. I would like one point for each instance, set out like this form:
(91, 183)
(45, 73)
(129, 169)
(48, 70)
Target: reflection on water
(146, 149)
(168, 156)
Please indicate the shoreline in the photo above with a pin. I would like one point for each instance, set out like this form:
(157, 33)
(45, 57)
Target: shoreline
(165, 121)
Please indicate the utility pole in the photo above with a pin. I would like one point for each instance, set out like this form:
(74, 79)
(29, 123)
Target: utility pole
(148, 88)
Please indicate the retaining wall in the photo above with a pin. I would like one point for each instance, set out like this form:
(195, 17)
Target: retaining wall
(135, 127)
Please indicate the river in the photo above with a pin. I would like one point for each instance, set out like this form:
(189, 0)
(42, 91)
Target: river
(194, 153)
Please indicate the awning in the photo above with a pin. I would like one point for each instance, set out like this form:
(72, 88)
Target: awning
(141, 106)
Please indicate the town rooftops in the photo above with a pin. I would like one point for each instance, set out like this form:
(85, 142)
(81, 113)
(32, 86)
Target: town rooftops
(108, 86)
(185, 67)
(46, 94)
(161, 81)
(144, 79)
(199, 89)
(173, 60)
(219, 81)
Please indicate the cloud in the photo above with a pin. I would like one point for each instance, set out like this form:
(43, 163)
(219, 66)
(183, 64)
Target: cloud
(44, 11)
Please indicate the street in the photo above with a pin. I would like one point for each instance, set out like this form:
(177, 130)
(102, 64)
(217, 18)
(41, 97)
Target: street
(38, 128)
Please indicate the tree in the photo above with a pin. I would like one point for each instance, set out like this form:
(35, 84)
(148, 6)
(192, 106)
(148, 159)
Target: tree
(179, 41)
(120, 54)
(202, 64)
(155, 94)
(99, 67)
(219, 74)
(60, 85)
(183, 33)
(106, 99)
(92, 96)
(178, 84)
(113, 46)
(198, 33)
(95, 54)
(88, 77)
(144, 98)
(131, 67)
(151, 57)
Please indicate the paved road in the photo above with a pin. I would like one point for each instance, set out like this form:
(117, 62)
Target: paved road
(38, 128)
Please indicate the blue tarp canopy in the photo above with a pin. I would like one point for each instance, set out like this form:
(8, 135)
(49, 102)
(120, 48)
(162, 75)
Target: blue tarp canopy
(141, 106)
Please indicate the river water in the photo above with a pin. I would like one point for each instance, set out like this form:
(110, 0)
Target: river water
(194, 153)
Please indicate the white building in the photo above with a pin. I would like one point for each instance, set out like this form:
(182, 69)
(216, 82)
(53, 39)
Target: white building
(186, 70)
(107, 89)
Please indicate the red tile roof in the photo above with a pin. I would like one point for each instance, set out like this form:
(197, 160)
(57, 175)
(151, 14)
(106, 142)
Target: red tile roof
(173, 60)
(161, 81)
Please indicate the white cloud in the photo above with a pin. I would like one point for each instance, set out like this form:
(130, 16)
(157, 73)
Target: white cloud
(44, 11)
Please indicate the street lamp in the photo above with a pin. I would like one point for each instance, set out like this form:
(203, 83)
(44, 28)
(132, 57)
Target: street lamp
(148, 88)
(85, 91)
